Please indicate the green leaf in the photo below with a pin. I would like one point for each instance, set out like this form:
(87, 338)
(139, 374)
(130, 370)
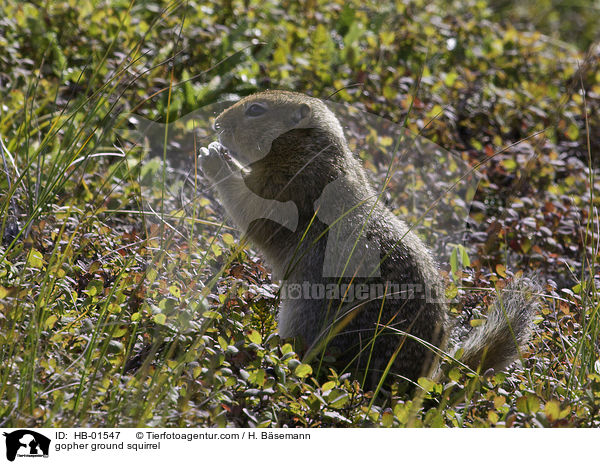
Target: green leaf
(119, 332)
(228, 239)
(450, 78)
(552, 410)
(387, 418)
(501, 270)
(95, 287)
(150, 168)
(303, 370)
(533, 403)
(255, 337)
(258, 377)
(509, 164)
(454, 374)
(451, 291)
(160, 319)
(328, 386)
(464, 256)
(338, 399)
(454, 260)
(114, 308)
(94, 267)
(35, 259)
(49, 323)
(174, 290)
(426, 384)
(528, 403)
(572, 132)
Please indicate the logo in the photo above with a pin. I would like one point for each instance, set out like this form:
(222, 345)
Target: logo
(26, 443)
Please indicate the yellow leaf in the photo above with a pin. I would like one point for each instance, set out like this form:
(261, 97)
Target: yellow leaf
(572, 132)
(255, 337)
(426, 383)
(477, 322)
(114, 308)
(386, 141)
(501, 270)
(228, 239)
(174, 290)
(160, 319)
(499, 401)
(49, 323)
(35, 259)
(328, 386)
(303, 370)
(509, 164)
(552, 410)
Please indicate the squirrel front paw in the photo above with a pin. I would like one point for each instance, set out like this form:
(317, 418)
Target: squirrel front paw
(215, 162)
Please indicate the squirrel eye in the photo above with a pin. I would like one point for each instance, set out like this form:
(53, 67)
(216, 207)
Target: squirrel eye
(255, 110)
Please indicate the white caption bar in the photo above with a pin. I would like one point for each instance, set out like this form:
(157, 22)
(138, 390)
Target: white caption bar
(290, 446)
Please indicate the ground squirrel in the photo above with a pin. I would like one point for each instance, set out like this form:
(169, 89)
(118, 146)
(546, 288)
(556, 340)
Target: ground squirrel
(355, 279)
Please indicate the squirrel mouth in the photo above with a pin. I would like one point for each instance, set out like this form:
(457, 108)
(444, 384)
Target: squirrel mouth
(234, 155)
(230, 152)
(240, 161)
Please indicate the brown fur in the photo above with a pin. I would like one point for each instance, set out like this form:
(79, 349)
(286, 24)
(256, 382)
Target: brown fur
(291, 152)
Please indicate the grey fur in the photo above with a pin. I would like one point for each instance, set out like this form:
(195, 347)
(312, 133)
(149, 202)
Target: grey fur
(508, 325)
(292, 155)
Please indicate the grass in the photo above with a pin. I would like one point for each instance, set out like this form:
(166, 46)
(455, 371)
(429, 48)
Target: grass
(107, 254)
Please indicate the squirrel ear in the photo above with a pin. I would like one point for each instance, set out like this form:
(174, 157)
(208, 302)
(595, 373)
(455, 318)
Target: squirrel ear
(301, 113)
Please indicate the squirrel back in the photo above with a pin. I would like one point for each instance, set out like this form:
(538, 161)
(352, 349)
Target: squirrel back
(357, 283)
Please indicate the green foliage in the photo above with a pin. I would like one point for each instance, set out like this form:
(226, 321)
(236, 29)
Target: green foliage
(572, 21)
(114, 317)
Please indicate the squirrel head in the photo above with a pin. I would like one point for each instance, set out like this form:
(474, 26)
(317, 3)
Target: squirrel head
(248, 128)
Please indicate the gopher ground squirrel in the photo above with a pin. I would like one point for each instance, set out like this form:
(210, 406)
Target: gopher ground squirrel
(284, 173)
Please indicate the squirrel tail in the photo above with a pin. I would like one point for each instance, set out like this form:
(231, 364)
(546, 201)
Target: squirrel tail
(497, 343)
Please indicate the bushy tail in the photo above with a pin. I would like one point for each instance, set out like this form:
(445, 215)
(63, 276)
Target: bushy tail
(497, 343)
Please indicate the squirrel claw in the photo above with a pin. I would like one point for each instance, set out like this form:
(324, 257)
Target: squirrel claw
(213, 161)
